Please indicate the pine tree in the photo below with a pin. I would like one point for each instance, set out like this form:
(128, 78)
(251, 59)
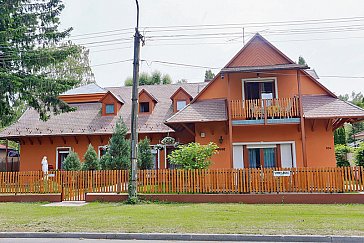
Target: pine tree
(91, 162)
(28, 34)
(118, 149)
(72, 162)
(145, 158)
(209, 75)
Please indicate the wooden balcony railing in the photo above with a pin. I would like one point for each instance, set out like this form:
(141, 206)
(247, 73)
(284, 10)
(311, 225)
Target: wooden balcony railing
(264, 109)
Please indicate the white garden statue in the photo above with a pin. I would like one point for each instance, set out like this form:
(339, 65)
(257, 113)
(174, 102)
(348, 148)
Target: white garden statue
(45, 165)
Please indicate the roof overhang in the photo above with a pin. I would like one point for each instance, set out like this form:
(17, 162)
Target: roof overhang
(258, 69)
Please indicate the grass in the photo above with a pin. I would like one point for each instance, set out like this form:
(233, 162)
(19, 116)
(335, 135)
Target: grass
(185, 218)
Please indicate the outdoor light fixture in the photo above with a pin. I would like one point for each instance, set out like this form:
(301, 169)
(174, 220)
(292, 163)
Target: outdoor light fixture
(221, 140)
(222, 75)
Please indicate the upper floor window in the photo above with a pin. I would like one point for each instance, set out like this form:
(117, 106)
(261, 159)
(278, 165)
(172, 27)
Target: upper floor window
(110, 109)
(181, 104)
(144, 107)
(260, 89)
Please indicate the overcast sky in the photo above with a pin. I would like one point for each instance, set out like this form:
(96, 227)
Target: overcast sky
(332, 48)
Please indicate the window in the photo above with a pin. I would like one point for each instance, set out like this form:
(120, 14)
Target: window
(144, 107)
(62, 154)
(102, 151)
(109, 109)
(181, 104)
(262, 157)
(259, 90)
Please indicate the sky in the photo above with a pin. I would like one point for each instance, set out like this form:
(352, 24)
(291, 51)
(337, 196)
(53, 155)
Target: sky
(208, 33)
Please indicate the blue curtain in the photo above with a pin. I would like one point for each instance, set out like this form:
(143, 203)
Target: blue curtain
(254, 158)
(269, 158)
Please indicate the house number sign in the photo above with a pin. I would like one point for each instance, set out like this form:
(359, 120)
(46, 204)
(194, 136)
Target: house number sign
(281, 173)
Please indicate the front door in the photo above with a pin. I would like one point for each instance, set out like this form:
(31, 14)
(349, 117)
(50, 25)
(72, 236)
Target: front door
(62, 154)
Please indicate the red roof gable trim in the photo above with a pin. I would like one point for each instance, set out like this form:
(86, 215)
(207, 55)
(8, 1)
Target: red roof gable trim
(149, 94)
(118, 98)
(178, 90)
(261, 38)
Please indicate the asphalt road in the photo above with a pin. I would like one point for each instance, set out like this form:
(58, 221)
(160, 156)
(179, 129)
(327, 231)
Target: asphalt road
(52, 240)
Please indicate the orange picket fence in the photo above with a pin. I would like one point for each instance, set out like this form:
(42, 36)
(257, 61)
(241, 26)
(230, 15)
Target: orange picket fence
(75, 184)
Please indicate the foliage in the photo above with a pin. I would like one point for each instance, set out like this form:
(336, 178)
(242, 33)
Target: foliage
(340, 136)
(91, 161)
(154, 78)
(72, 162)
(145, 157)
(193, 155)
(182, 81)
(302, 61)
(76, 67)
(341, 152)
(168, 140)
(359, 155)
(209, 75)
(104, 160)
(28, 34)
(118, 153)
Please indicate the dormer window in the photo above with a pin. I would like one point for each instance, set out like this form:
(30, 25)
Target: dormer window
(181, 104)
(110, 109)
(144, 107)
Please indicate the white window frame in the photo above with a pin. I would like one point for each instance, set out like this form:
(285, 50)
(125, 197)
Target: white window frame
(183, 106)
(98, 150)
(69, 149)
(271, 145)
(259, 80)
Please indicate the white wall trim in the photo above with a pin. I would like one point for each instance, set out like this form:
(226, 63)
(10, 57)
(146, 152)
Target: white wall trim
(274, 79)
(69, 148)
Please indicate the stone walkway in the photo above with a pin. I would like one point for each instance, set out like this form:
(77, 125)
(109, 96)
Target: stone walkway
(66, 204)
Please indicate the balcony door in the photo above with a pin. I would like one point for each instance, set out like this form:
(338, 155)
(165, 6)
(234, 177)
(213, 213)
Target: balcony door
(259, 89)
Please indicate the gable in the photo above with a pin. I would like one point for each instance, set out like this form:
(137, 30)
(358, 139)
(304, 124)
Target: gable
(258, 52)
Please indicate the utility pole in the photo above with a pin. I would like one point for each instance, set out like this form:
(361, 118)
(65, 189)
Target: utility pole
(132, 189)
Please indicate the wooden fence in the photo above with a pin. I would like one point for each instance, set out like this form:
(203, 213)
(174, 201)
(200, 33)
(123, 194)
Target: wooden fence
(74, 185)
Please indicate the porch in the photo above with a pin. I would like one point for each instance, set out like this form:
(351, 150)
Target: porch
(265, 111)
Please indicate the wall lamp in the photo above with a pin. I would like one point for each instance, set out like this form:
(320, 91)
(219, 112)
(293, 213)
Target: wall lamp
(221, 140)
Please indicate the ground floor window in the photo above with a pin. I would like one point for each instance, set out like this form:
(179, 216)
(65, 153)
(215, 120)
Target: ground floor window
(102, 151)
(264, 155)
(62, 154)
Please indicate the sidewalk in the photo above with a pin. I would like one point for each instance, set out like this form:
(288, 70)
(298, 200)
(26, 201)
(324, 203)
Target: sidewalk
(187, 237)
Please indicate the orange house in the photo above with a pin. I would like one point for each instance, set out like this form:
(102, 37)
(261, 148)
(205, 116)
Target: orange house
(262, 110)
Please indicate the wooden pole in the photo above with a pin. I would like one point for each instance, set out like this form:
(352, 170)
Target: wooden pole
(230, 123)
(302, 120)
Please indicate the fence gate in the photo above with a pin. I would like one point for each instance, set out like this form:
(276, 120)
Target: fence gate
(73, 186)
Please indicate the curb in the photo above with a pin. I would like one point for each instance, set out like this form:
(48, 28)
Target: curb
(186, 237)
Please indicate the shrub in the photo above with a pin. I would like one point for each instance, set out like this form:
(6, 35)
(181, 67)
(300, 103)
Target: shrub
(91, 161)
(118, 153)
(193, 155)
(145, 157)
(72, 162)
(359, 155)
(341, 152)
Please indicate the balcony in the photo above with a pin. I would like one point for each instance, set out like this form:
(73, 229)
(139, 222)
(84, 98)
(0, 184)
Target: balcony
(265, 111)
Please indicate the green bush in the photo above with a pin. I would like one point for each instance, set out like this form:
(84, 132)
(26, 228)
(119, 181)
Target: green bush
(145, 157)
(193, 155)
(341, 152)
(91, 161)
(72, 162)
(359, 155)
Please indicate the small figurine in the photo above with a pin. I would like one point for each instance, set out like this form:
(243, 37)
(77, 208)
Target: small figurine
(45, 165)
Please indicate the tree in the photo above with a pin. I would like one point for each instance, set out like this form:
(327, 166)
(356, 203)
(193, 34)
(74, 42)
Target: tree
(209, 75)
(193, 155)
(91, 161)
(72, 162)
(118, 153)
(359, 155)
(302, 61)
(155, 78)
(75, 67)
(341, 154)
(340, 136)
(182, 81)
(28, 34)
(145, 158)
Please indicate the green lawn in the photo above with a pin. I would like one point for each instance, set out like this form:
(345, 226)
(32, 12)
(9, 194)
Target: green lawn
(186, 218)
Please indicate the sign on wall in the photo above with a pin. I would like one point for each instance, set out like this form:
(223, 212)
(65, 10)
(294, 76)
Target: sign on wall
(281, 173)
